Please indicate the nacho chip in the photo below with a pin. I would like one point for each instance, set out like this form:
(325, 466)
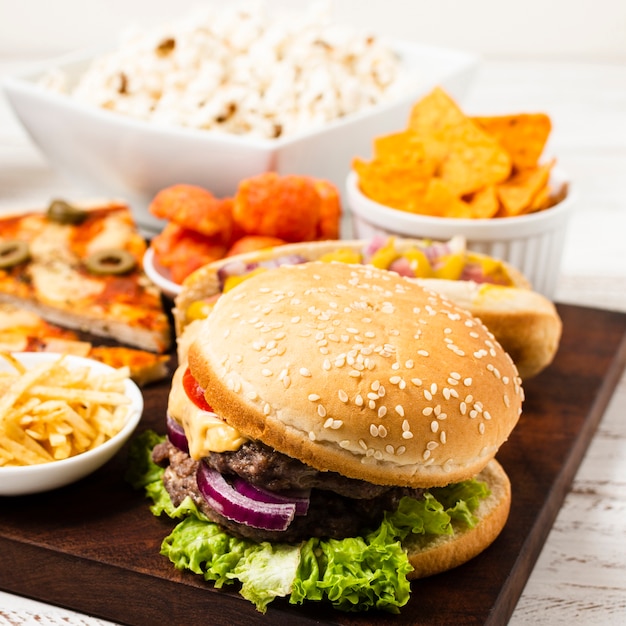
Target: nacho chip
(517, 194)
(523, 136)
(439, 200)
(472, 159)
(484, 203)
(434, 113)
(394, 185)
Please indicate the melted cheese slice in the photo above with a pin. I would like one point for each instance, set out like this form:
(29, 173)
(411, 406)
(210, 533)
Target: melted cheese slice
(205, 431)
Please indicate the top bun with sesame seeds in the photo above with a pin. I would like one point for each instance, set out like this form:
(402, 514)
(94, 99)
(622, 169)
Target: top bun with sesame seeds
(359, 372)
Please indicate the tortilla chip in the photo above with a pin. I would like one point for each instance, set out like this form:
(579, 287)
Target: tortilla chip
(434, 113)
(517, 194)
(389, 183)
(470, 158)
(484, 203)
(523, 136)
(439, 200)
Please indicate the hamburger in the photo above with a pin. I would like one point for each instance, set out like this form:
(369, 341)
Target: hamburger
(324, 404)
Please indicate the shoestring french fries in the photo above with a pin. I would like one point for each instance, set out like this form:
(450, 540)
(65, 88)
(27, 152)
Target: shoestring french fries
(51, 411)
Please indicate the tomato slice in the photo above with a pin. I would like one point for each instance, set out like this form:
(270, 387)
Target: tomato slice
(194, 391)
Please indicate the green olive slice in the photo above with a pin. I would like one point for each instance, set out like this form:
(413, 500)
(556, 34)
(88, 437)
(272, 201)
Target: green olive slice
(110, 261)
(12, 253)
(63, 212)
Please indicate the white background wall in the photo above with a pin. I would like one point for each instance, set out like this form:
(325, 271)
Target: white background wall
(591, 30)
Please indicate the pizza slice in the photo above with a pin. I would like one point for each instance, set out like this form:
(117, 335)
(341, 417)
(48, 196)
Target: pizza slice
(81, 267)
(24, 331)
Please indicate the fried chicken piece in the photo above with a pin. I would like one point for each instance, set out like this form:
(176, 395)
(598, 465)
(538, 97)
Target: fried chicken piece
(249, 243)
(286, 207)
(195, 208)
(182, 250)
(330, 210)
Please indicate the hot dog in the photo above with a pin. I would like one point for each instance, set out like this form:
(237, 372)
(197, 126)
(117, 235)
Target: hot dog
(524, 322)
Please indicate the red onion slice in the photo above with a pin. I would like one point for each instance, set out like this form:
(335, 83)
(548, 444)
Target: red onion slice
(299, 498)
(176, 434)
(237, 507)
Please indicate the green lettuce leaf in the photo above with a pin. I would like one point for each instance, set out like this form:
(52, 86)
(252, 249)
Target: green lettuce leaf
(353, 574)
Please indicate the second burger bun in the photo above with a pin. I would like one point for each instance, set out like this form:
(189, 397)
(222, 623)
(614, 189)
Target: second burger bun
(359, 371)
(431, 555)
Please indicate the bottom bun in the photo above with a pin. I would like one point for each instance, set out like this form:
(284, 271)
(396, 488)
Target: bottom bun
(445, 552)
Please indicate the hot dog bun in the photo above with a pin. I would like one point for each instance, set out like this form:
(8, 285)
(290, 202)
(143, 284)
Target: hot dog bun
(524, 322)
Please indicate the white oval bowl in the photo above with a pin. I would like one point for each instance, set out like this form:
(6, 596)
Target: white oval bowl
(30, 479)
(532, 243)
(159, 275)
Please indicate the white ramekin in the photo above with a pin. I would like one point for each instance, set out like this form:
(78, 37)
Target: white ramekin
(532, 243)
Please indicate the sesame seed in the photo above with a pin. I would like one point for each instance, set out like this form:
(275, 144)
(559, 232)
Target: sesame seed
(305, 372)
(312, 435)
(426, 454)
(400, 410)
(467, 382)
(389, 449)
(286, 381)
(442, 437)
(434, 426)
(407, 434)
(355, 373)
(406, 426)
(328, 423)
(267, 409)
(382, 411)
(400, 450)
(343, 396)
(481, 428)
(428, 410)
(264, 359)
(422, 352)
(321, 410)
(394, 380)
(358, 400)
(252, 395)
(266, 372)
(417, 382)
(428, 395)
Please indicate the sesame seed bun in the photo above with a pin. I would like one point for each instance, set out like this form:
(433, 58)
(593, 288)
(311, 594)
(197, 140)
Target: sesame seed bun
(358, 371)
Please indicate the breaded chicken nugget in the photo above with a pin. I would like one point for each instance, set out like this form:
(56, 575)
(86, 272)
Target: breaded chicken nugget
(287, 207)
(194, 208)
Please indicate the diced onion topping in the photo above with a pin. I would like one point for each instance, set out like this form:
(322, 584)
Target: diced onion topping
(239, 508)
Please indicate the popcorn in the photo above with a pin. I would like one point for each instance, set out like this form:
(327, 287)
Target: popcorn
(236, 70)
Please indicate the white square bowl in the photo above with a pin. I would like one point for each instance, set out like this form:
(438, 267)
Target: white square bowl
(109, 154)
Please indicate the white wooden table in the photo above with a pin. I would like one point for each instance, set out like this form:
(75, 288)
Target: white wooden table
(580, 577)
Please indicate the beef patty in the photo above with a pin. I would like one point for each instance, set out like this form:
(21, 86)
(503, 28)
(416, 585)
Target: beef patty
(331, 514)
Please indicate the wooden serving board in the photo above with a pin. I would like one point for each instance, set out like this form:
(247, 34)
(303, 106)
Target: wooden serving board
(94, 546)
